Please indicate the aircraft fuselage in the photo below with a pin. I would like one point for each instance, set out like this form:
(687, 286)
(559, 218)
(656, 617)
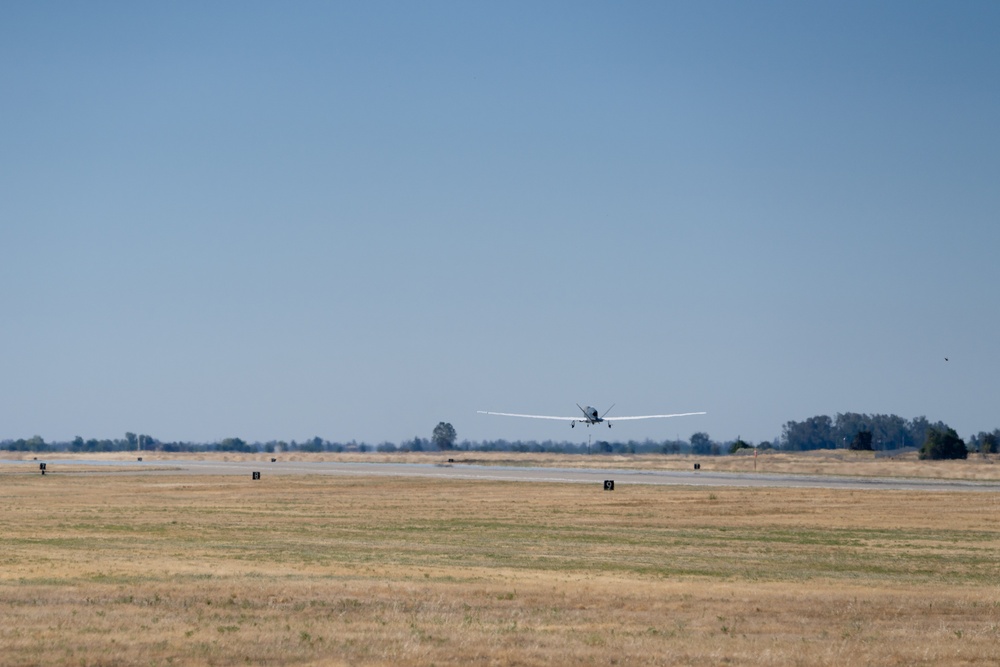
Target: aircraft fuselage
(591, 416)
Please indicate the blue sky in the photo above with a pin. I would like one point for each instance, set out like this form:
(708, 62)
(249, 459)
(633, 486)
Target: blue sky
(355, 220)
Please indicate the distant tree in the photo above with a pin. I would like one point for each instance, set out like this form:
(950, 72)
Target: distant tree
(862, 441)
(132, 440)
(701, 443)
(671, 447)
(893, 432)
(847, 425)
(989, 443)
(604, 447)
(314, 445)
(943, 444)
(444, 436)
(918, 428)
(234, 445)
(738, 445)
(415, 445)
(813, 433)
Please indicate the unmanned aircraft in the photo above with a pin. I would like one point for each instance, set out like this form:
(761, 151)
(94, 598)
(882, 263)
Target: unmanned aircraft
(590, 416)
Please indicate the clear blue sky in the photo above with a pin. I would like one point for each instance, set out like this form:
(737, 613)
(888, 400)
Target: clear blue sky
(355, 220)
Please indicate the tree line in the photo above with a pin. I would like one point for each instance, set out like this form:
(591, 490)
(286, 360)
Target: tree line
(844, 431)
(852, 430)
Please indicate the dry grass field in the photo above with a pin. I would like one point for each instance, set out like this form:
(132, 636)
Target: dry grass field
(129, 569)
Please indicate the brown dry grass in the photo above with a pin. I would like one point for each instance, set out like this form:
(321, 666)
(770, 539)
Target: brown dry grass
(129, 569)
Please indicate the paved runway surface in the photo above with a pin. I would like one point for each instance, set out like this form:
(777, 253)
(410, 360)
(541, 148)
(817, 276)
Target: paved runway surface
(524, 474)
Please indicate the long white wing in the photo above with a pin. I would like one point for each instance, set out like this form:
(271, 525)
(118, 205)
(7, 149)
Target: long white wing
(578, 419)
(510, 414)
(679, 414)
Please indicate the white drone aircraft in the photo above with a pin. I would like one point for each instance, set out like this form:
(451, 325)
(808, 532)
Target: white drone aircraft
(590, 416)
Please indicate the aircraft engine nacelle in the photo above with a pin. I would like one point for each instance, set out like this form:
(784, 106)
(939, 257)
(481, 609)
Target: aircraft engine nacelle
(592, 413)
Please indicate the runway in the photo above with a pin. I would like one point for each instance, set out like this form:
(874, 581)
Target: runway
(596, 476)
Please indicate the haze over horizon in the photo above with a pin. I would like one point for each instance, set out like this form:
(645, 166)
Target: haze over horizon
(355, 220)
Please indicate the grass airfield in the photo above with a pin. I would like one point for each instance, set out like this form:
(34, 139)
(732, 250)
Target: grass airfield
(101, 567)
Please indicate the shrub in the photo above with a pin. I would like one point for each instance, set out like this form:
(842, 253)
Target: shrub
(943, 443)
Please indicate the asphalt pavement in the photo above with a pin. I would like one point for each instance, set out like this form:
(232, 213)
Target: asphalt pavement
(519, 474)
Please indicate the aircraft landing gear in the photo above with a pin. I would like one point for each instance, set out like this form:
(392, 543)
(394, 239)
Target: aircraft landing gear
(572, 424)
